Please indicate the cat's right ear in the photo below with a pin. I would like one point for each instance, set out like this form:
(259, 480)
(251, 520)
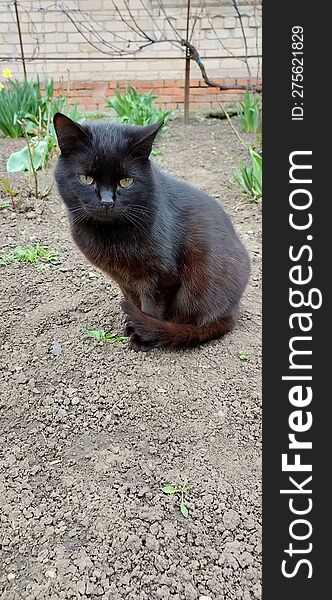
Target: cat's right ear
(70, 135)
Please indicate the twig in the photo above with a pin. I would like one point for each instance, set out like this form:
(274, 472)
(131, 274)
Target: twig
(236, 8)
(232, 126)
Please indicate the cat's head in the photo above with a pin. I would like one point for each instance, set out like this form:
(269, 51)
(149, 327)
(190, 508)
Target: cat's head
(104, 168)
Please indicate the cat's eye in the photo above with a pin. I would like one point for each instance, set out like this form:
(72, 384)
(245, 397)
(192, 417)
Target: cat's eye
(86, 179)
(126, 182)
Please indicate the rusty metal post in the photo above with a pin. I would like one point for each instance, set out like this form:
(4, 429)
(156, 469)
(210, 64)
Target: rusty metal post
(187, 71)
(20, 38)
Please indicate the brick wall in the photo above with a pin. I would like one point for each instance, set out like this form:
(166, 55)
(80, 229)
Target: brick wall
(83, 44)
(170, 93)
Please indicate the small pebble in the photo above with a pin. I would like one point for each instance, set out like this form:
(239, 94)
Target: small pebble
(62, 413)
(56, 349)
(50, 573)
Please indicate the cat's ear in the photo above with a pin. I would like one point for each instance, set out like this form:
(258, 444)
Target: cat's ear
(144, 139)
(70, 134)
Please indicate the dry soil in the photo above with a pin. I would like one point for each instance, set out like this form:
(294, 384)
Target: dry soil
(91, 431)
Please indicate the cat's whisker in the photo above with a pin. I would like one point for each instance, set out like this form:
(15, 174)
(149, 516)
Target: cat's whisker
(133, 220)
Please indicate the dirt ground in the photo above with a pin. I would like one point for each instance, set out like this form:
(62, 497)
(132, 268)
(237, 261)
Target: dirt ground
(91, 434)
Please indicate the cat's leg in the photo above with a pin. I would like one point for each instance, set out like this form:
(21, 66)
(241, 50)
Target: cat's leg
(153, 306)
(150, 304)
(158, 295)
(130, 295)
(152, 301)
(154, 298)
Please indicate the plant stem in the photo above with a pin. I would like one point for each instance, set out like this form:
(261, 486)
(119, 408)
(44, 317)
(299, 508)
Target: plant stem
(34, 172)
(232, 126)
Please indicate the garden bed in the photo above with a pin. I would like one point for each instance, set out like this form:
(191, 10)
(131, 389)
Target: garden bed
(91, 431)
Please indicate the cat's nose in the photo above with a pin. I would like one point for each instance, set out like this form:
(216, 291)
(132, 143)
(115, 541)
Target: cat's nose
(106, 199)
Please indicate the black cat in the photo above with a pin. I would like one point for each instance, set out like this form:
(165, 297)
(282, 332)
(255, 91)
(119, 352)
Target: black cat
(170, 247)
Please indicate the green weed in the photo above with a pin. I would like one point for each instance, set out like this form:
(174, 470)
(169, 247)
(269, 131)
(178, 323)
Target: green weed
(249, 177)
(105, 336)
(133, 108)
(171, 490)
(28, 254)
(249, 113)
(244, 356)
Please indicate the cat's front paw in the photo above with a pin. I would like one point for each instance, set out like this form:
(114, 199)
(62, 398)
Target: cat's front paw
(137, 344)
(128, 328)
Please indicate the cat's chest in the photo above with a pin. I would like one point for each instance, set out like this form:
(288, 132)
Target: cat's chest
(123, 259)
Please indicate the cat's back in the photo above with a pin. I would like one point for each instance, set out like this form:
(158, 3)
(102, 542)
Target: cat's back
(206, 227)
(192, 203)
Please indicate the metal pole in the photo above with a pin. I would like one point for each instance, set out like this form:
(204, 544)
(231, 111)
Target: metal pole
(20, 38)
(187, 71)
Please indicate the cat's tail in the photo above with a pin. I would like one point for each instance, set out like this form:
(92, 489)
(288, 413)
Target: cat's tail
(156, 333)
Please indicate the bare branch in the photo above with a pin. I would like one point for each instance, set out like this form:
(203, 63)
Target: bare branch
(207, 16)
(194, 55)
(145, 35)
(236, 8)
(161, 6)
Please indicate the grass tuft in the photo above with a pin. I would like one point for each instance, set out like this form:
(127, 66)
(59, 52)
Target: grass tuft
(249, 177)
(105, 336)
(29, 254)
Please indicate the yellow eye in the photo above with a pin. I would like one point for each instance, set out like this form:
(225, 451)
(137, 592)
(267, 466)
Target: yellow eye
(86, 179)
(126, 182)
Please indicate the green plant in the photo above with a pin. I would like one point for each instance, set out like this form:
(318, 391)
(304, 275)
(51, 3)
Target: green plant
(249, 113)
(4, 204)
(22, 100)
(9, 191)
(29, 254)
(39, 148)
(29, 158)
(105, 336)
(249, 178)
(170, 490)
(133, 108)
(244, 356)
(25, 101)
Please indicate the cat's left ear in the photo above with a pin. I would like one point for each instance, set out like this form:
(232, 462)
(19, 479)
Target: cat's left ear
(145, 137)
(71, 136)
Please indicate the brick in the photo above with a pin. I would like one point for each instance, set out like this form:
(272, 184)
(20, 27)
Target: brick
(88, 5)
(170, 90)
(237, 32)
(211, 45)
(171, 105)
(218, 23)
(60, 38)
(84, 100)
(202, 24)
(223, 34)
(165, 99)
(142, 84)
(67, 48)
(171, 83)
(229, 22)
(255, 22)
(98, 85)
